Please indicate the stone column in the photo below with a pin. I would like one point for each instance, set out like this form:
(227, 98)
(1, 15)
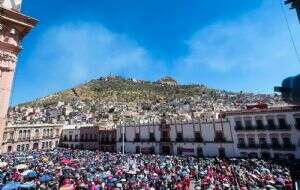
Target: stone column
(13, 27)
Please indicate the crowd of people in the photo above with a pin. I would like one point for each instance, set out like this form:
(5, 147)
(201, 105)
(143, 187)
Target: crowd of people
(65, 169)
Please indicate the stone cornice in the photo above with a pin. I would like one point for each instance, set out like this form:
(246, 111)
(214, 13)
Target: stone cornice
(9, 48)
(22, 23)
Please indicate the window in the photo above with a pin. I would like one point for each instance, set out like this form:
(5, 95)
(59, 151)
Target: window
(18, 148)
(271, 124)
(65, 137)
(259, 124)
(137, 149)
(282, 122)
(4, 136)
(76, 137)
(263, 142)
(27, 147)
(222, 153)
(241, 141)
(238, 123)
(219, 137)
(50, 144)
(251, 142)
(248, 124)
(43, 145)
(137, 137)
(199, 152)
(198, 137)
(70, 137)
(275, 141)
(23, 147)
(286, 141)
(179, 137)
(297, 122)
(152, 137)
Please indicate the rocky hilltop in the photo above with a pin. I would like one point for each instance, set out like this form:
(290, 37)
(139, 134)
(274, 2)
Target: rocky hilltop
(115, 99)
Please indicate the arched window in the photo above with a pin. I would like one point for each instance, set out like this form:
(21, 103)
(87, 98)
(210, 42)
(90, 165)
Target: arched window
(20, 134)
(36, 133)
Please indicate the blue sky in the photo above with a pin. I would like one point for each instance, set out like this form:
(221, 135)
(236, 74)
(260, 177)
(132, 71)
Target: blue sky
(233, 45)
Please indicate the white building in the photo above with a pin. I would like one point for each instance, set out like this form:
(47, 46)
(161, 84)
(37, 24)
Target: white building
(202, 138)
(266, 132)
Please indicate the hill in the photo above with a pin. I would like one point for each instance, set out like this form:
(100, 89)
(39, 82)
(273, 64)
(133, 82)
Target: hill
(116, 99)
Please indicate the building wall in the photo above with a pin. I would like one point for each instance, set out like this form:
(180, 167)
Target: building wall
(187, 145)
(13, 27)
(31, 137)
(290, 131)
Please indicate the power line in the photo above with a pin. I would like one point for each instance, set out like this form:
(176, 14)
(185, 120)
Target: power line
(290, 31)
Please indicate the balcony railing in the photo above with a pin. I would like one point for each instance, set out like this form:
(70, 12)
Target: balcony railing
(179, 139)
(264, 146)
(241, 145)
(165, 140)
(220, 139)
(264, 127)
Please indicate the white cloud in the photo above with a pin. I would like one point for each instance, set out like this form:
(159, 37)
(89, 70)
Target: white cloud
(79, 52)
(251, 48)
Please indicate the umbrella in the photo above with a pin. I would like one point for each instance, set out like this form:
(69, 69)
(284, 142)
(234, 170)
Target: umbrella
(27, 185)
(45, 178)
(11, 186)
(65, 161)
(3, 164)
(29, 173)
(21, 167)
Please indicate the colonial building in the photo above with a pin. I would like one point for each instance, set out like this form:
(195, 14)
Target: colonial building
(266, 132)
(31, 137)
(13, 28)
(71, 136)
(202, 138)
(91, 137)
(107, 139)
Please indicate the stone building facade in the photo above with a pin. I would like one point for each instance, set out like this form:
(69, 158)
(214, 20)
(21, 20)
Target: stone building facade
(31, 137)
(196, 137)
(91, 137)
(13, 28)
(266, 132)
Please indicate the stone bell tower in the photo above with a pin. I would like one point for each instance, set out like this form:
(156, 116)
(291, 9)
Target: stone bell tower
(13, 28)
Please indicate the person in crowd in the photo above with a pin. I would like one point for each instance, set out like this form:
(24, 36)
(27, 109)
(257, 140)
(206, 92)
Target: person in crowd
(66, 169)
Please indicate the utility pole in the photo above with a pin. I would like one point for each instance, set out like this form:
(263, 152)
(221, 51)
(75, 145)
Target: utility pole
(123, 139)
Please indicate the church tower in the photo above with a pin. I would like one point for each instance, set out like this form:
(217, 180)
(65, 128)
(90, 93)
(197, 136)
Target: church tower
(13, 28)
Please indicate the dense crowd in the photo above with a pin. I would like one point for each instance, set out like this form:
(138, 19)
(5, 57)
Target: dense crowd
(65, 169)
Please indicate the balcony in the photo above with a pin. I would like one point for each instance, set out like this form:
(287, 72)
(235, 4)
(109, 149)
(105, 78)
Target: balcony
(10, 141)
(198, 139)
(252, 145)
(249, 127)
(239, 128)
(137, 139)
(241, 145)
(165, 139)
(219, 139)
(121, 139)
(264, 146)
(286, 147)
(263, 127)
(179, 139)
(284, 127)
